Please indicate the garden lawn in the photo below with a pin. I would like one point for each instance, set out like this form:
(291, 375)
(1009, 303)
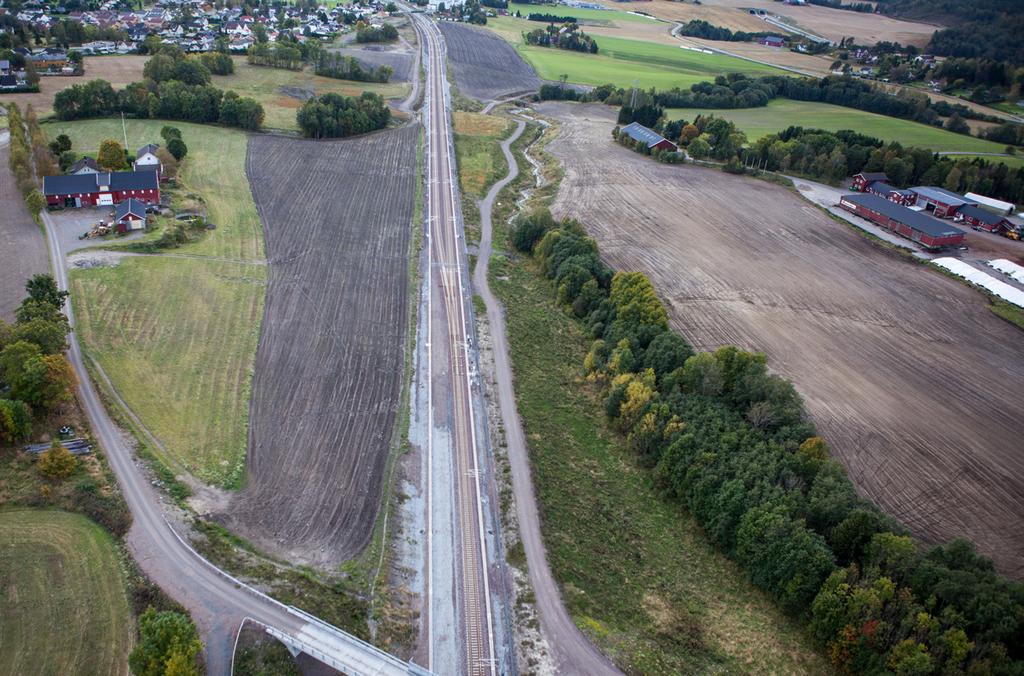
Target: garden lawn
(279, 89)
(623, 62)
(177, 333)
(63, 592)
(782, 113)
(638, 575)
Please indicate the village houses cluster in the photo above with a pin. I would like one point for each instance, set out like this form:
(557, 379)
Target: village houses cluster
(194, 25)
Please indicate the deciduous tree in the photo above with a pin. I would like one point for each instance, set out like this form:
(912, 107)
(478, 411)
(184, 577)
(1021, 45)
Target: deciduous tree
(56, 462)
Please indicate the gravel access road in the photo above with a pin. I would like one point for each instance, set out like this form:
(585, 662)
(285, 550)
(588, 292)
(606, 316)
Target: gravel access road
(572, 652)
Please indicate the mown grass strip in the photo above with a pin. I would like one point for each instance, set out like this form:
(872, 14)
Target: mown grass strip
(65, 605)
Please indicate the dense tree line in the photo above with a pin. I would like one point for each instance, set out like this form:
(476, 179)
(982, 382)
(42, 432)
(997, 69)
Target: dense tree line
(35, 377)
(567, 36)
(348, 68)
(739, 91)
(175, 88)
(30, 156)
(385, 33)
(699, 28)
(731, 442)
(495, 4)
(864, 7)
(833, 156)
(550, 18)
(336, 116)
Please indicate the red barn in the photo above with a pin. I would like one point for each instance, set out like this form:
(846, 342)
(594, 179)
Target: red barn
(862, 181)
(940, 201)
(976, 217)
(883, 189)
(105, 188)
(914, 225)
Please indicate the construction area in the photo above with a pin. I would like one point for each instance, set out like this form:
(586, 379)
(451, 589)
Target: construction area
(329, 365)
(909, 377)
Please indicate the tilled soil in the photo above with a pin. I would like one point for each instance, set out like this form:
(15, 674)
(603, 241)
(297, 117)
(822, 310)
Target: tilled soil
(915, 384)
(329, 364)
(485, 66)
(22, 245)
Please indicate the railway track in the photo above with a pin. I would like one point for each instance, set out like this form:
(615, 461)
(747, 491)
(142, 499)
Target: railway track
(451, 387)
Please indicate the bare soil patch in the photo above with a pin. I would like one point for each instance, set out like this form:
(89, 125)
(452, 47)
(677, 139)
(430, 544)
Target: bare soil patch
(905, 371)
(485, 65)
(22, 245)
(117, 70)
(328, 369)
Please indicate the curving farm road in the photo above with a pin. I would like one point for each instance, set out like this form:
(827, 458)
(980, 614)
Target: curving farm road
(572, 651)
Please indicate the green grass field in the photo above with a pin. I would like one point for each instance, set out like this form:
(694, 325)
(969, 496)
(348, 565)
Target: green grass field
(621, 61)
(781, 113)
(638, 575)
(65, 605)
(597, 16)
(177, 336)
(1011, 161)
(265, 85)
(477, 151)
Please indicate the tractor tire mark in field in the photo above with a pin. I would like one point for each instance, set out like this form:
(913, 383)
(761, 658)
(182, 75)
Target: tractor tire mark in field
(329, 363)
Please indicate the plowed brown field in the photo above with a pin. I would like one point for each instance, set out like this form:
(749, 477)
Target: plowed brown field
(915, 384)
(330, 359)
(485, 66)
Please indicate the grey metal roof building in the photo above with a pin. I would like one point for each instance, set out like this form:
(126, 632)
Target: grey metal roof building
(89, 183)
(942, 195)
(651, 138)
(913, 219)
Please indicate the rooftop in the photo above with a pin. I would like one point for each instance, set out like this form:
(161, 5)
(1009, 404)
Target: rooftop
(914, 219)
(941, 195)
(638, 132)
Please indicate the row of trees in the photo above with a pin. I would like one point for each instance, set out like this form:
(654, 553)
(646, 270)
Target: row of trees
(348, 68)
(337, 116)
(730, 441)
(171, 100)
(176, 88)
(567, 36)
(35, 376)
(550, 18)
(29, 156)
(739, 91)
(698, 28)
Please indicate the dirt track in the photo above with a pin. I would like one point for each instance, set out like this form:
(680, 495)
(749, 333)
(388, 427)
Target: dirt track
(329, 363)
(22, 246)
(485, 65)
(915, 384)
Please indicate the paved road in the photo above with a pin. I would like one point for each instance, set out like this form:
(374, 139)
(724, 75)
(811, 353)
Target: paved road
(458, 505)
(573, 653)
(218, 603)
